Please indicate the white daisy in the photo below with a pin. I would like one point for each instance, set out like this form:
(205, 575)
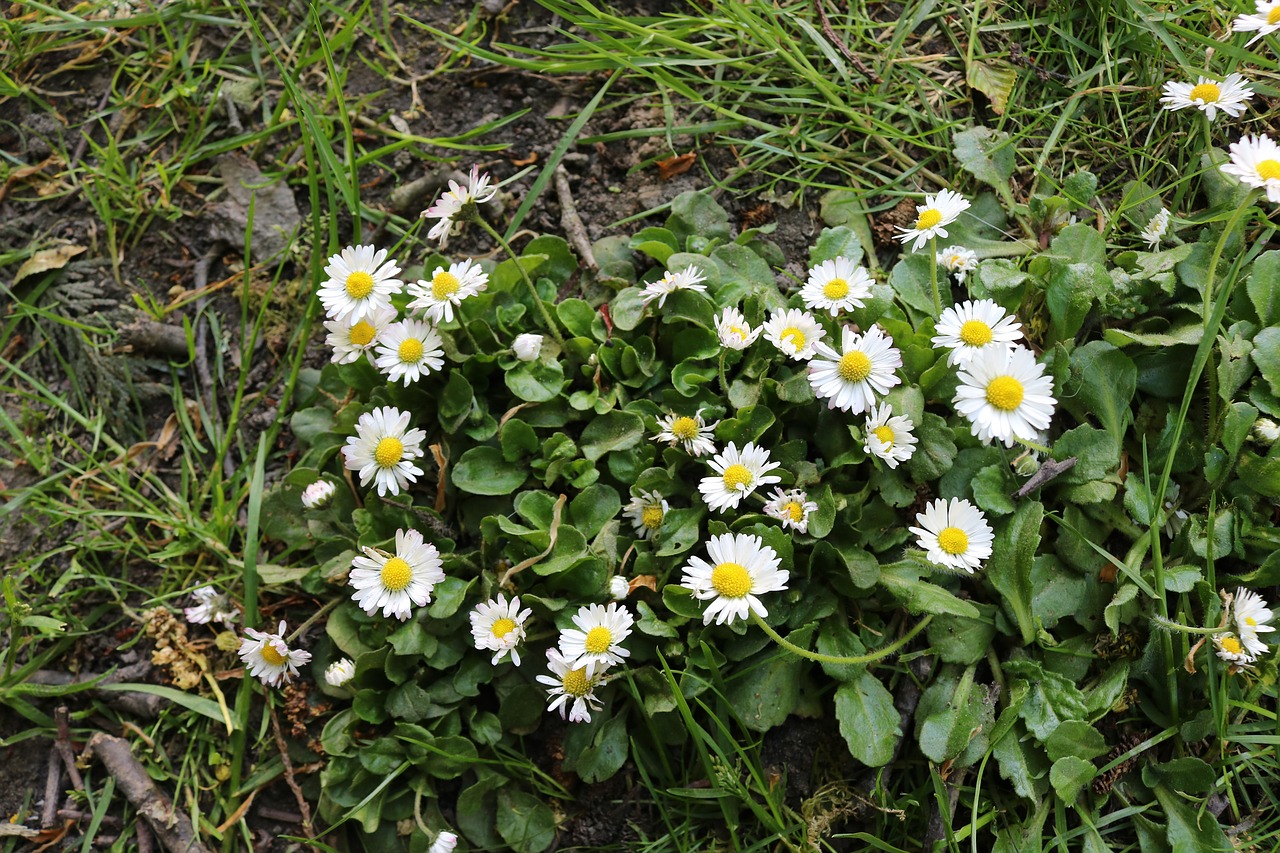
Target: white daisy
(498, 626)
(1264, 21)
(852, 378)
(527, 347)
(1255, 160)
(795, 332)
(571, 683)
(383, 450)
(318, 494)
(396, 582)
(741, 568)
(339, 672)
(734, 331)
(1232, 650)
(691, 432)
(792, 508)
(738, 474)
(836, 285)
(646, 512)
(1207, 95)
(359, 285)
(619, 587)
(350, 342)
(445, 843)
(1156, 229)
(453, 200)
(597, 641)
(958, 261)
(1005, 395)
(973, 327)
(954, 535)
(889, 436)
(447, 288)
(269, 657)
(410, 350)
(212, 606)
(686, 279)
(1251, 615)
(933, 217)
(1265, 432)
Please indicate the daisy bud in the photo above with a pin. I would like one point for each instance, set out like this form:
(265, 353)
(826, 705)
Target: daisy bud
(527, 347)
(1266, 431)
(339, 672)
(619, 587)
(318, 494)
(444, 843)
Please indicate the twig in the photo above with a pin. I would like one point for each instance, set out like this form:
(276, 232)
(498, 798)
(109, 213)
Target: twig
(52, 788)
(1050, 469)
(840, 45)
(146, 841)
(279, 814)
(303, 805)
(63, 744)
(553, 533)
(571, 222)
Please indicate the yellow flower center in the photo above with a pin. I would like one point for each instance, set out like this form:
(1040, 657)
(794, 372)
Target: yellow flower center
(794, 511)
(928, 219)
(502, 627)
(739, 331)
(396, 574)
(794, 335)
(854, 366)
(1232, 645)
(1251, 622)
(953, 540)
(651, 516)
(1273, 17)
(731, 580)
(599, 639)
(388, 452)
(359, 284)
(1206, 93)
(575, 682)
(975, 333)
(1269, 170)
(362, 333)
(684, 428)
(1005, 393)
(444, 284)
(737, 476)
(885, 434)
(271, 656)
(410, 351)
(837, 288)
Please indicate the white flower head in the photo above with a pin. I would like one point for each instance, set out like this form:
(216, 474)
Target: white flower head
(791, 507)
(596, 642)
(889, 436)
(572, 690)
(742, 568)
(446, 289)
(646, 512)
(1265, 432)
(318, 494)
(1207, 95)
(410, 350)
(1006, 395)
(383, 450)
(497, 625)
(734, 331)
(954, 534)
(958, 261)
(1251, 614)
(619, 587)
(738, 474)
(211, 606)
(527, 347)
(933, 217)
(360, 285)
(1264, 21)
(794, 332)
(1255, 160)
(1230, 648)
(269, 657)
(692, 433)
(850, 379)
(836, 285)
(973, 327)
(445, 843)
(689, 278)
(1156, 229)
(350, 342)
(339, 672)
(451, 202)
(396, 582)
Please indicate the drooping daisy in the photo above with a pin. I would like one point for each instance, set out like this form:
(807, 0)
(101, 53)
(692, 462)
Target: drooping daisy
(1207, 95)
(958, 261)
(688, 278)
(734, 331)
(447, 288)
(1232, 650)
(738, 474)
(383, 450)
(498, 626)
(339, 672)
(1251, 615)
(1264, 21)
(954, 535)
(567, 683)
(359, 284)
(646, 512)
(445, 843)
(396, 582)
(597, 641)
(836, 285)
(619, 587)
(851, 379)
(318, 494)
(795, 332)
(1175, 517)
(888, 436)
(453, 200)
(1265, 432)
(350, 342)
(933, 217)
(692, 433)
(409, 350)
(269, 657)
(1255, 160)
(791, 507)
(973, 327)
(1156, 229)
(527, 347)
(212, 606)
(742, 567)
(1005, 395)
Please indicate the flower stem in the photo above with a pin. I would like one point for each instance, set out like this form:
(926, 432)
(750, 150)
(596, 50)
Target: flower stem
(1170, 625)
(1031, 445)
(724, 383)
(869, 657)
(533, 291)
(933, 276)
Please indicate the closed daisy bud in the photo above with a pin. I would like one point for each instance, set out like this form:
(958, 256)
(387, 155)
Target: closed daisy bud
(445, 843)
(619, 587)
(527, 347)
(339, 672)
(318, 494)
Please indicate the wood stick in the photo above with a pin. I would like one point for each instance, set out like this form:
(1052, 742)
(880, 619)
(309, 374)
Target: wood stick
(303, 806)
(571, 222)
(52, 789)
(63, 744)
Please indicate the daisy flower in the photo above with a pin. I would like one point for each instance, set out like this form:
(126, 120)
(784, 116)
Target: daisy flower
(1005, 395)
(646, 512)
(619, 587)
(795, 332)
(1251, 615)
(527, 347)
(889, 436)
(359, 284)
(396, 582)
(958, 261)
(339, 672)
(383, 450)
(214, 606)
(410, 350)
(836, 285)
(1209, 96)
(1156, 229)
(447, 288)
(318, 494)
(734, 331)
(933, 217)
(1255, 160)
(690, 432)
(687, 279)
(269, 657)
(738, 474)
(954, 535)
(852, 378)
(597, 641)
(350, 342)
(742, 567)
(792, 508)
(973, 327)
(453, 200)
(1264, 21)
(1232, 650)
(498, 626)
(571, 689)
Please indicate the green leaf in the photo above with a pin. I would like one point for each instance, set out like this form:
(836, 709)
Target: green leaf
(838, 242)
(483, 471)
(1009, 569)
(524, 821)
(1103, 381)
(697, 214)
(960, 639)
(535, 381)
(1051, 698)
(1266, 354)
(1075, 737)
(986, 154)
(994, 81)
(609, 432)
(1069, 775)
(902, 581)
(308, 424)
(1189, 774)
(935, 452)
(991, 489)
(868, 720)
(594, 506)
(1017, 765)
(1263, 287)
(1190, 830)
(956, 714)
(767, 689)
(478, 812)
(627, 308)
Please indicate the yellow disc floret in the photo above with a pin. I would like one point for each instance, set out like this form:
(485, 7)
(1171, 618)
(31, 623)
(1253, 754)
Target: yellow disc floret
(598, 641)
(362, 333)
(1005, 393)
(651, 516)
(975, 333)
(953, 541)
(1269, 170)
(731, 580)
(837, 288)
(502, 627)
(854, 366)
(1232, 646)
(1273, 17)
(885, 434)
(359, 284)
(737, 476)
(576, 683)
(271, 656)
(927, 219)
(794, 335)
(396, 574)
(444, 284)
(410, 351)
(794, 511)
(1206, 93)
(684, 428)
(388, 452)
